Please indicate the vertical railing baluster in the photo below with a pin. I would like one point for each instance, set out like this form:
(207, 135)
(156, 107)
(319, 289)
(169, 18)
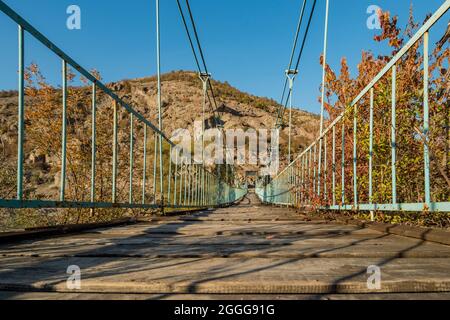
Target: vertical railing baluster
(355, 155)
(199, 186)
(334, 166)
(204, 187)
(155, 163)
(325, 169)
(296, 181)
(393, 136)
(180, 193)
(131, 158)
(93, 140)
(170, 175)
(21, 114)
(309, 175)
(175, 181)
(302, 193)
(64, 132)
(300, 181)
(114, 160)
(185, 186)
(161, 171)
(194, 184)
(315, 172)
(144, 169)
(371, 153)
(291, 184)
(343, 163)
(197, 183)
(426, 120)
(190, 185)
(209, 191)
(293, 192)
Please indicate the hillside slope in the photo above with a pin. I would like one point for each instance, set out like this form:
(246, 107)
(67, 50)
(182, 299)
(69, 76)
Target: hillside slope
(182, 105)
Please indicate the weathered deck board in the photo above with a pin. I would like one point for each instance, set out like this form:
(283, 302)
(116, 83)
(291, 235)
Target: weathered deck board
(248, 249)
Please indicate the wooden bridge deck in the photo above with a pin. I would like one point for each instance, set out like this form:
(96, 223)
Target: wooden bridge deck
(248, 251)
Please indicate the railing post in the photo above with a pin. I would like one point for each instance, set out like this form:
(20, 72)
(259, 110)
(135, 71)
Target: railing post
(21, 113)
(131, 158)
(93, 140)
(114, 177)
(64, 132)
(371, 154)
(393, 137)
(426, 120)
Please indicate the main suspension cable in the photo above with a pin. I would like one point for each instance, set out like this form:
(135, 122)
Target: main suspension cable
(305, 37)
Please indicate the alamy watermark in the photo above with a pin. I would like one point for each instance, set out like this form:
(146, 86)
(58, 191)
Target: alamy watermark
(74, 280)
(374, 280)
(373, 22)
(74, 20)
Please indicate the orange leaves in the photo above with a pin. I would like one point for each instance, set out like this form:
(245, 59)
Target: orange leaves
(390, 31)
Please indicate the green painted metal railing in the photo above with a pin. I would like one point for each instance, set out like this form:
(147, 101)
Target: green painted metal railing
(187, 185)
(302, 183)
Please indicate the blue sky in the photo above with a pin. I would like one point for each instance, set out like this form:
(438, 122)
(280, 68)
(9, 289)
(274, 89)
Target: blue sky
(246, 42)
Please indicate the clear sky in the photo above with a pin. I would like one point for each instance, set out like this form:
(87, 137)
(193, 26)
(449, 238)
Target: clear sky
(246, 42)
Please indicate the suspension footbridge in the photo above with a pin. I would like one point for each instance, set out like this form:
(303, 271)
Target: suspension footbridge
(213, 236)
